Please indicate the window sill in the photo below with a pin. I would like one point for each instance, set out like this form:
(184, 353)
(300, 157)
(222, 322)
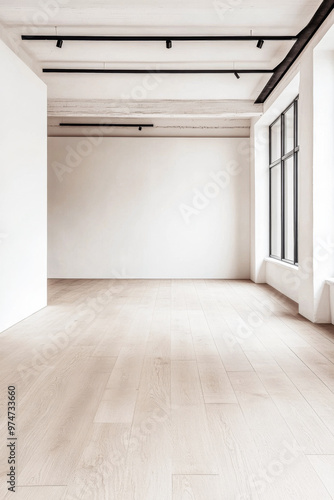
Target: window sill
(282, 264)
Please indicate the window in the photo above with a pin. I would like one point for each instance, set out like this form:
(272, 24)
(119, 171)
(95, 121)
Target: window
(283, 190)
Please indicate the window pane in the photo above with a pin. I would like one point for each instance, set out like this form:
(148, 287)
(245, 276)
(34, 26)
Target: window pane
(275, 177)
(289, 209)
(289, 130)
(275, 138)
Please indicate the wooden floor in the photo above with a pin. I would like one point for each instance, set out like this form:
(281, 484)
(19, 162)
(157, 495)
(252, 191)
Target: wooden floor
(169, 390)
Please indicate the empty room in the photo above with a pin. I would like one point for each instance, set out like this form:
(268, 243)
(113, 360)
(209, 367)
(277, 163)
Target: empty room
(167, 250)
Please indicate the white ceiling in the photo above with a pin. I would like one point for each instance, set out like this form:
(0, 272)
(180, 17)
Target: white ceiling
(156, 17)
(238, 15)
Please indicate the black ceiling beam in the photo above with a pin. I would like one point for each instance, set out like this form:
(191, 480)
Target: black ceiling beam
(142, 125)
(158, 38)
(303, 38)
(166, 71)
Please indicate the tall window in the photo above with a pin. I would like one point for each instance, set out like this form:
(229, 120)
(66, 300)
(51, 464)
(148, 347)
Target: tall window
(283, 153)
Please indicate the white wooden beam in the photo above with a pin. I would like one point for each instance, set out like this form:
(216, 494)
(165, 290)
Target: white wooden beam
(154, 108)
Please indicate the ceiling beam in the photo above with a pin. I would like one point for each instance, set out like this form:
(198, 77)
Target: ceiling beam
(151, 109)
(304, 37)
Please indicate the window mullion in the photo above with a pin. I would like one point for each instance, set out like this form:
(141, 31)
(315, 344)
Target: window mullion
(282, 190)
(296, 163)
(270, 213)
(295, 222)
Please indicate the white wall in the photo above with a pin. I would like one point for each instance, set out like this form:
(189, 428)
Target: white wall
(23, 205)
(323, 180)
(264, 270)
(283, 277)
(312, 76)
(148, 208)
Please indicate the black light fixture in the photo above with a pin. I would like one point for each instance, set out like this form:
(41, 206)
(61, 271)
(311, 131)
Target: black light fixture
(94, 38)
(140, 126)
(260, 43)
(169, 44)
(59, 43)
(153, 71)
(140, 129)
(302, 40)
(236, 74)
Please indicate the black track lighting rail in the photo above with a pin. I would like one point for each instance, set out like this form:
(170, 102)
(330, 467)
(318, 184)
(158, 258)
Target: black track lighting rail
(79, 38)
(302, 39)
(152, 71)
(134, 125)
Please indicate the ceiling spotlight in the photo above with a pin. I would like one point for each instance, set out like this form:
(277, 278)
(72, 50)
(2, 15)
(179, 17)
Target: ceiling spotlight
(237, 75)
(260, 44)
(168, 44)
(59, 43)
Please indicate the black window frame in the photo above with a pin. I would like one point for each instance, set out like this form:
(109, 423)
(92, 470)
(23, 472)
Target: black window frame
(284, 156)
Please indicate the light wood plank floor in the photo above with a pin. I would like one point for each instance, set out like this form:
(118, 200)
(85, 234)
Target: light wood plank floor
(169, 390)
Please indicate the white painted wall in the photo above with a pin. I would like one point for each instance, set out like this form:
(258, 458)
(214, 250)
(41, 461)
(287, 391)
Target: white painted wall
(23, 203)
(305, 187)
(323, 180)
(148, 208)
(312, 76)
(283, 277)
(263, 269)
